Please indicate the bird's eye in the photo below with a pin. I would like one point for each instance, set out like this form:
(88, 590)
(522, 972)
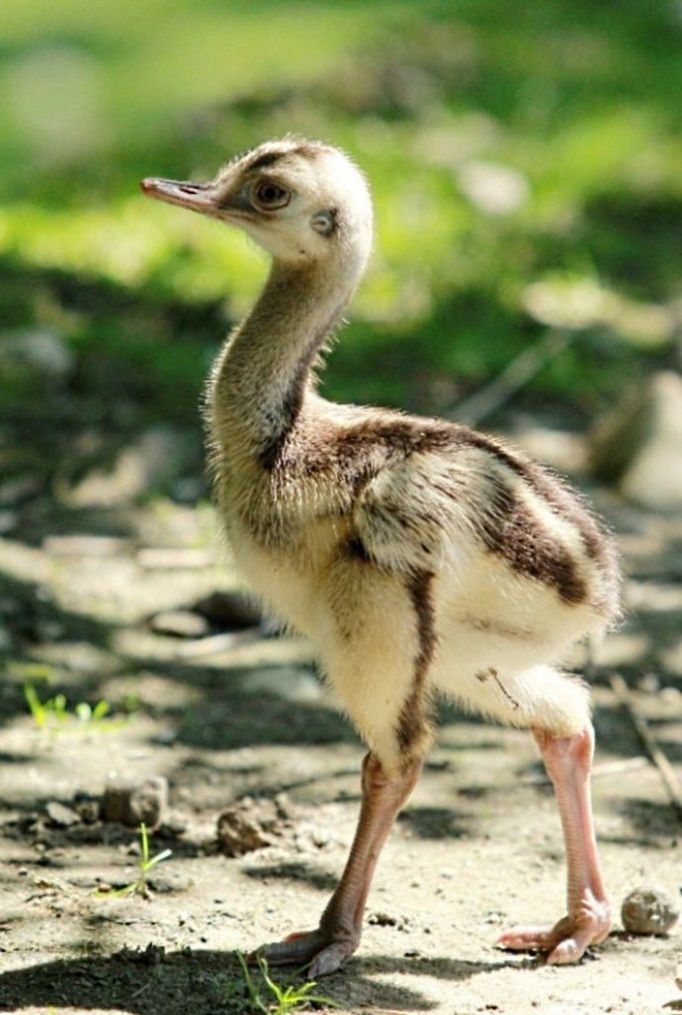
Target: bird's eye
(270, 195)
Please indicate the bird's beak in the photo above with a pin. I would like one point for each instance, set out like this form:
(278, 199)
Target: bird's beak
(196, 196)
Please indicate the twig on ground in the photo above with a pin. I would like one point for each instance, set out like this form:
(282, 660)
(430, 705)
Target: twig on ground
(665, 769)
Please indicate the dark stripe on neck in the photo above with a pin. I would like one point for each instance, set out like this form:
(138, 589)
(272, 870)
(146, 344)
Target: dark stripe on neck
(271, 449)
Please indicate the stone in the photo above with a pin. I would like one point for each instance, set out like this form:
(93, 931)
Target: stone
(649, 910)
(638, 446)
(133, 801)
(180, 624)
(60, 815)
(229, 611)
(248, 826)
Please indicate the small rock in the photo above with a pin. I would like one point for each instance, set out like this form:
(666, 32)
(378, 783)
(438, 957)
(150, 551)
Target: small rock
(229, 611)
(180, 624)
(239, 834)
(134, 801)
(381, 919)
(639, 445)
(247, 826)
(649, 910)
(60, 815)
(88, 809)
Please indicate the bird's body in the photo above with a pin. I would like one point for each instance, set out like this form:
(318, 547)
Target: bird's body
(418, 555)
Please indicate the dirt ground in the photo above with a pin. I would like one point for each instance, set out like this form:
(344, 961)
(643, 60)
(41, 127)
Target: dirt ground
(478, 847)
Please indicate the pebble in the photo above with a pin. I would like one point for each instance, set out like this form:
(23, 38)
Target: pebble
(180, 624)
(638, 446)
(649, 910)
(132, 801)
(61, 815)
(229, 611)
(248, 825)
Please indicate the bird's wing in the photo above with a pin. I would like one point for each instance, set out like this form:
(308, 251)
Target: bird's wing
(418, 511)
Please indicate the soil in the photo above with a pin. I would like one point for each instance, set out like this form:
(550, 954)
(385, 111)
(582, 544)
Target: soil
(477, 848)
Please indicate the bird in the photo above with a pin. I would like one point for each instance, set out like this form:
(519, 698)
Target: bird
(422, 558)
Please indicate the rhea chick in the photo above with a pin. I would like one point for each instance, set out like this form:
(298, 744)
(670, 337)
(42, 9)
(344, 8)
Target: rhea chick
(418, 555)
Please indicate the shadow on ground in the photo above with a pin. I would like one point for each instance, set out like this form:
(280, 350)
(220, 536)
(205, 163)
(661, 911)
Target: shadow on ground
(152, 982)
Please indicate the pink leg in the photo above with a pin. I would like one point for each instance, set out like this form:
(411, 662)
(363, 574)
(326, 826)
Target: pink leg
(568, 762)
(338, 934)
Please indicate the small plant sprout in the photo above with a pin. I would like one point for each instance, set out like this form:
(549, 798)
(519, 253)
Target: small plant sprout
(54, 712)
(42, 711)
(285, 1000)
(139, 886)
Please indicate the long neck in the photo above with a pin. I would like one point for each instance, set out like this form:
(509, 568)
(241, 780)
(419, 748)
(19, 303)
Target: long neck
(261, 375)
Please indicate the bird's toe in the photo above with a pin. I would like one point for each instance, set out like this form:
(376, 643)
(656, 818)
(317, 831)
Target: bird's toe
(329, 959)
(565, 942)
(316, 949)
(527, 939)
(296, 949)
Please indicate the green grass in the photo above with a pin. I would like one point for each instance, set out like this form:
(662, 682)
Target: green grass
(145, 864)
(283, 1000)
(55, 714)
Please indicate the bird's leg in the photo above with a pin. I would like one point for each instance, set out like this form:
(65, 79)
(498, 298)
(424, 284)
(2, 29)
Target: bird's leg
(568, 762)
(338, 934)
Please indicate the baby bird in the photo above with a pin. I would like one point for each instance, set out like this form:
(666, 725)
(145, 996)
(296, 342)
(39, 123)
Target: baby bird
(419, 556)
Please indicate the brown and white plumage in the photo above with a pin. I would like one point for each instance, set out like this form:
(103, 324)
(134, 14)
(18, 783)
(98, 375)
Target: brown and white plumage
(418, 555)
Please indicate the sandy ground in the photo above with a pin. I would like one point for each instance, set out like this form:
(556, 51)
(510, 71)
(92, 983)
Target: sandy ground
(478, 847)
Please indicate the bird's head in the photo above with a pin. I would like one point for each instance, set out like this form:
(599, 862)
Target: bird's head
(301, 200)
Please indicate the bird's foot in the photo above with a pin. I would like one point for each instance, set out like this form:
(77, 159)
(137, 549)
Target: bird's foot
(320, 950)
(567, 940)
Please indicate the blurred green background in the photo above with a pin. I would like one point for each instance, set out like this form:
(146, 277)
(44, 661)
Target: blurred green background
(525, 160)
